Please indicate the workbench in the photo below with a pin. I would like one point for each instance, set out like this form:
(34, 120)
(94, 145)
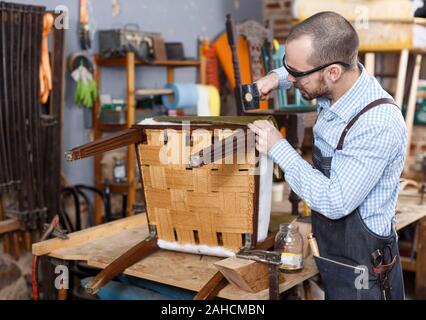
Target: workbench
(98, 246)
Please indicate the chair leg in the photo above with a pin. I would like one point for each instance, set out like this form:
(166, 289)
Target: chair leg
(307, 289)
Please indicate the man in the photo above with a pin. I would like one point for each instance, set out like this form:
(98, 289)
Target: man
(358, 155)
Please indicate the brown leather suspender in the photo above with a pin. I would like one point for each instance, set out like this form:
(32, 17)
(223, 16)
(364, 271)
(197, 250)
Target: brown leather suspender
(371, 105)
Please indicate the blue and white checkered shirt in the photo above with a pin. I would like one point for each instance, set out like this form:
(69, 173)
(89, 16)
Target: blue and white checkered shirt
(365, 173)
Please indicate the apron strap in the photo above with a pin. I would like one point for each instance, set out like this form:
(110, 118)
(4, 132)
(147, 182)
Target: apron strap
(371, 105)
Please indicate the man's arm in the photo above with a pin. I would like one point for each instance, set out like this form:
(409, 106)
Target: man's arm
(275, 79)
(283, 82)
(355, 171)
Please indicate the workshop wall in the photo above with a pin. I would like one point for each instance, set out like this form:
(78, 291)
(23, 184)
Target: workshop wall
(181, 21)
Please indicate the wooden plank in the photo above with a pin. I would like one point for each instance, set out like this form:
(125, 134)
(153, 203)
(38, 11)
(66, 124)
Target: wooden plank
(117, 62)
(158, 198)
(370, 62)
(408, 264)
(245, 274)
(178, 199)
(231, 183)
(149, 155)
(402, 72)
(420, 285)
(97, 134)
(158, 178)
(179, 179)
(164, 224)
(411, 107)
(131, 193)
(154, 137)
(170, 74)
(83, 236)
(202, 180)
(9, 225)
(233, 240)
(185, 236)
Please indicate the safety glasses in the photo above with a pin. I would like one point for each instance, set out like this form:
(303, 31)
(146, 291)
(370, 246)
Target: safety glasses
(298, 74)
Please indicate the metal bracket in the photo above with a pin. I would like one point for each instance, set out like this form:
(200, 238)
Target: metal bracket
(273, 260)
(248, 243)
(152, 231)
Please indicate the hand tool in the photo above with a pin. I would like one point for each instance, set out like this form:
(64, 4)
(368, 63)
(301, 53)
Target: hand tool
(273, 260)
(250, 96)
(382, 267)
(49, 229)
(85, 41)
(313, 245)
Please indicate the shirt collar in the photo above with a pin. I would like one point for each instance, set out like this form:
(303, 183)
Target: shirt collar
(345, 108)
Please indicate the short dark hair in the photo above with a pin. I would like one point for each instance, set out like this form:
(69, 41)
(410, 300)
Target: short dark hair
(333, 38)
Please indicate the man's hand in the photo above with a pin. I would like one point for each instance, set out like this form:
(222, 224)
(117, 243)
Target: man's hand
(267, 84)
(266, 135)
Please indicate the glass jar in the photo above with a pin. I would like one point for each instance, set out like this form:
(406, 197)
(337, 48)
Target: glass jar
(289, 242)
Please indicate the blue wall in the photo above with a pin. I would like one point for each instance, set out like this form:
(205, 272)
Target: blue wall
(176, 20)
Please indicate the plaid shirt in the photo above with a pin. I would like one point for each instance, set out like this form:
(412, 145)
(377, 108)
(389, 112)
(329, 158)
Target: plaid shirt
(365, 173)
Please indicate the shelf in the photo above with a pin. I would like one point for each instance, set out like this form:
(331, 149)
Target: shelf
(120, 62)
(153, 92)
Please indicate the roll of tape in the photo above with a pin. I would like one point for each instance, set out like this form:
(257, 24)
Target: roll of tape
(214, 99)
(203, 105)
(185, 96)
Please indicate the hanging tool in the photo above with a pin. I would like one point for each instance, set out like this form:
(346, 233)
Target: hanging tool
(49, 229)
(85, 41)
(382, 267)
(45, 70)
(273, 260)
(86, 91)
(115, 8)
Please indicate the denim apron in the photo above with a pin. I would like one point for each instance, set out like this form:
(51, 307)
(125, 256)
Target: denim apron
(346, 246)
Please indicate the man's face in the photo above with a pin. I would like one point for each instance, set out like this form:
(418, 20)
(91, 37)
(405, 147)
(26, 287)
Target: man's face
(297, 55)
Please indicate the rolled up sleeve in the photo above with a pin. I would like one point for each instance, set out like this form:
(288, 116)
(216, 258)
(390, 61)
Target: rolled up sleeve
(283, 74)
